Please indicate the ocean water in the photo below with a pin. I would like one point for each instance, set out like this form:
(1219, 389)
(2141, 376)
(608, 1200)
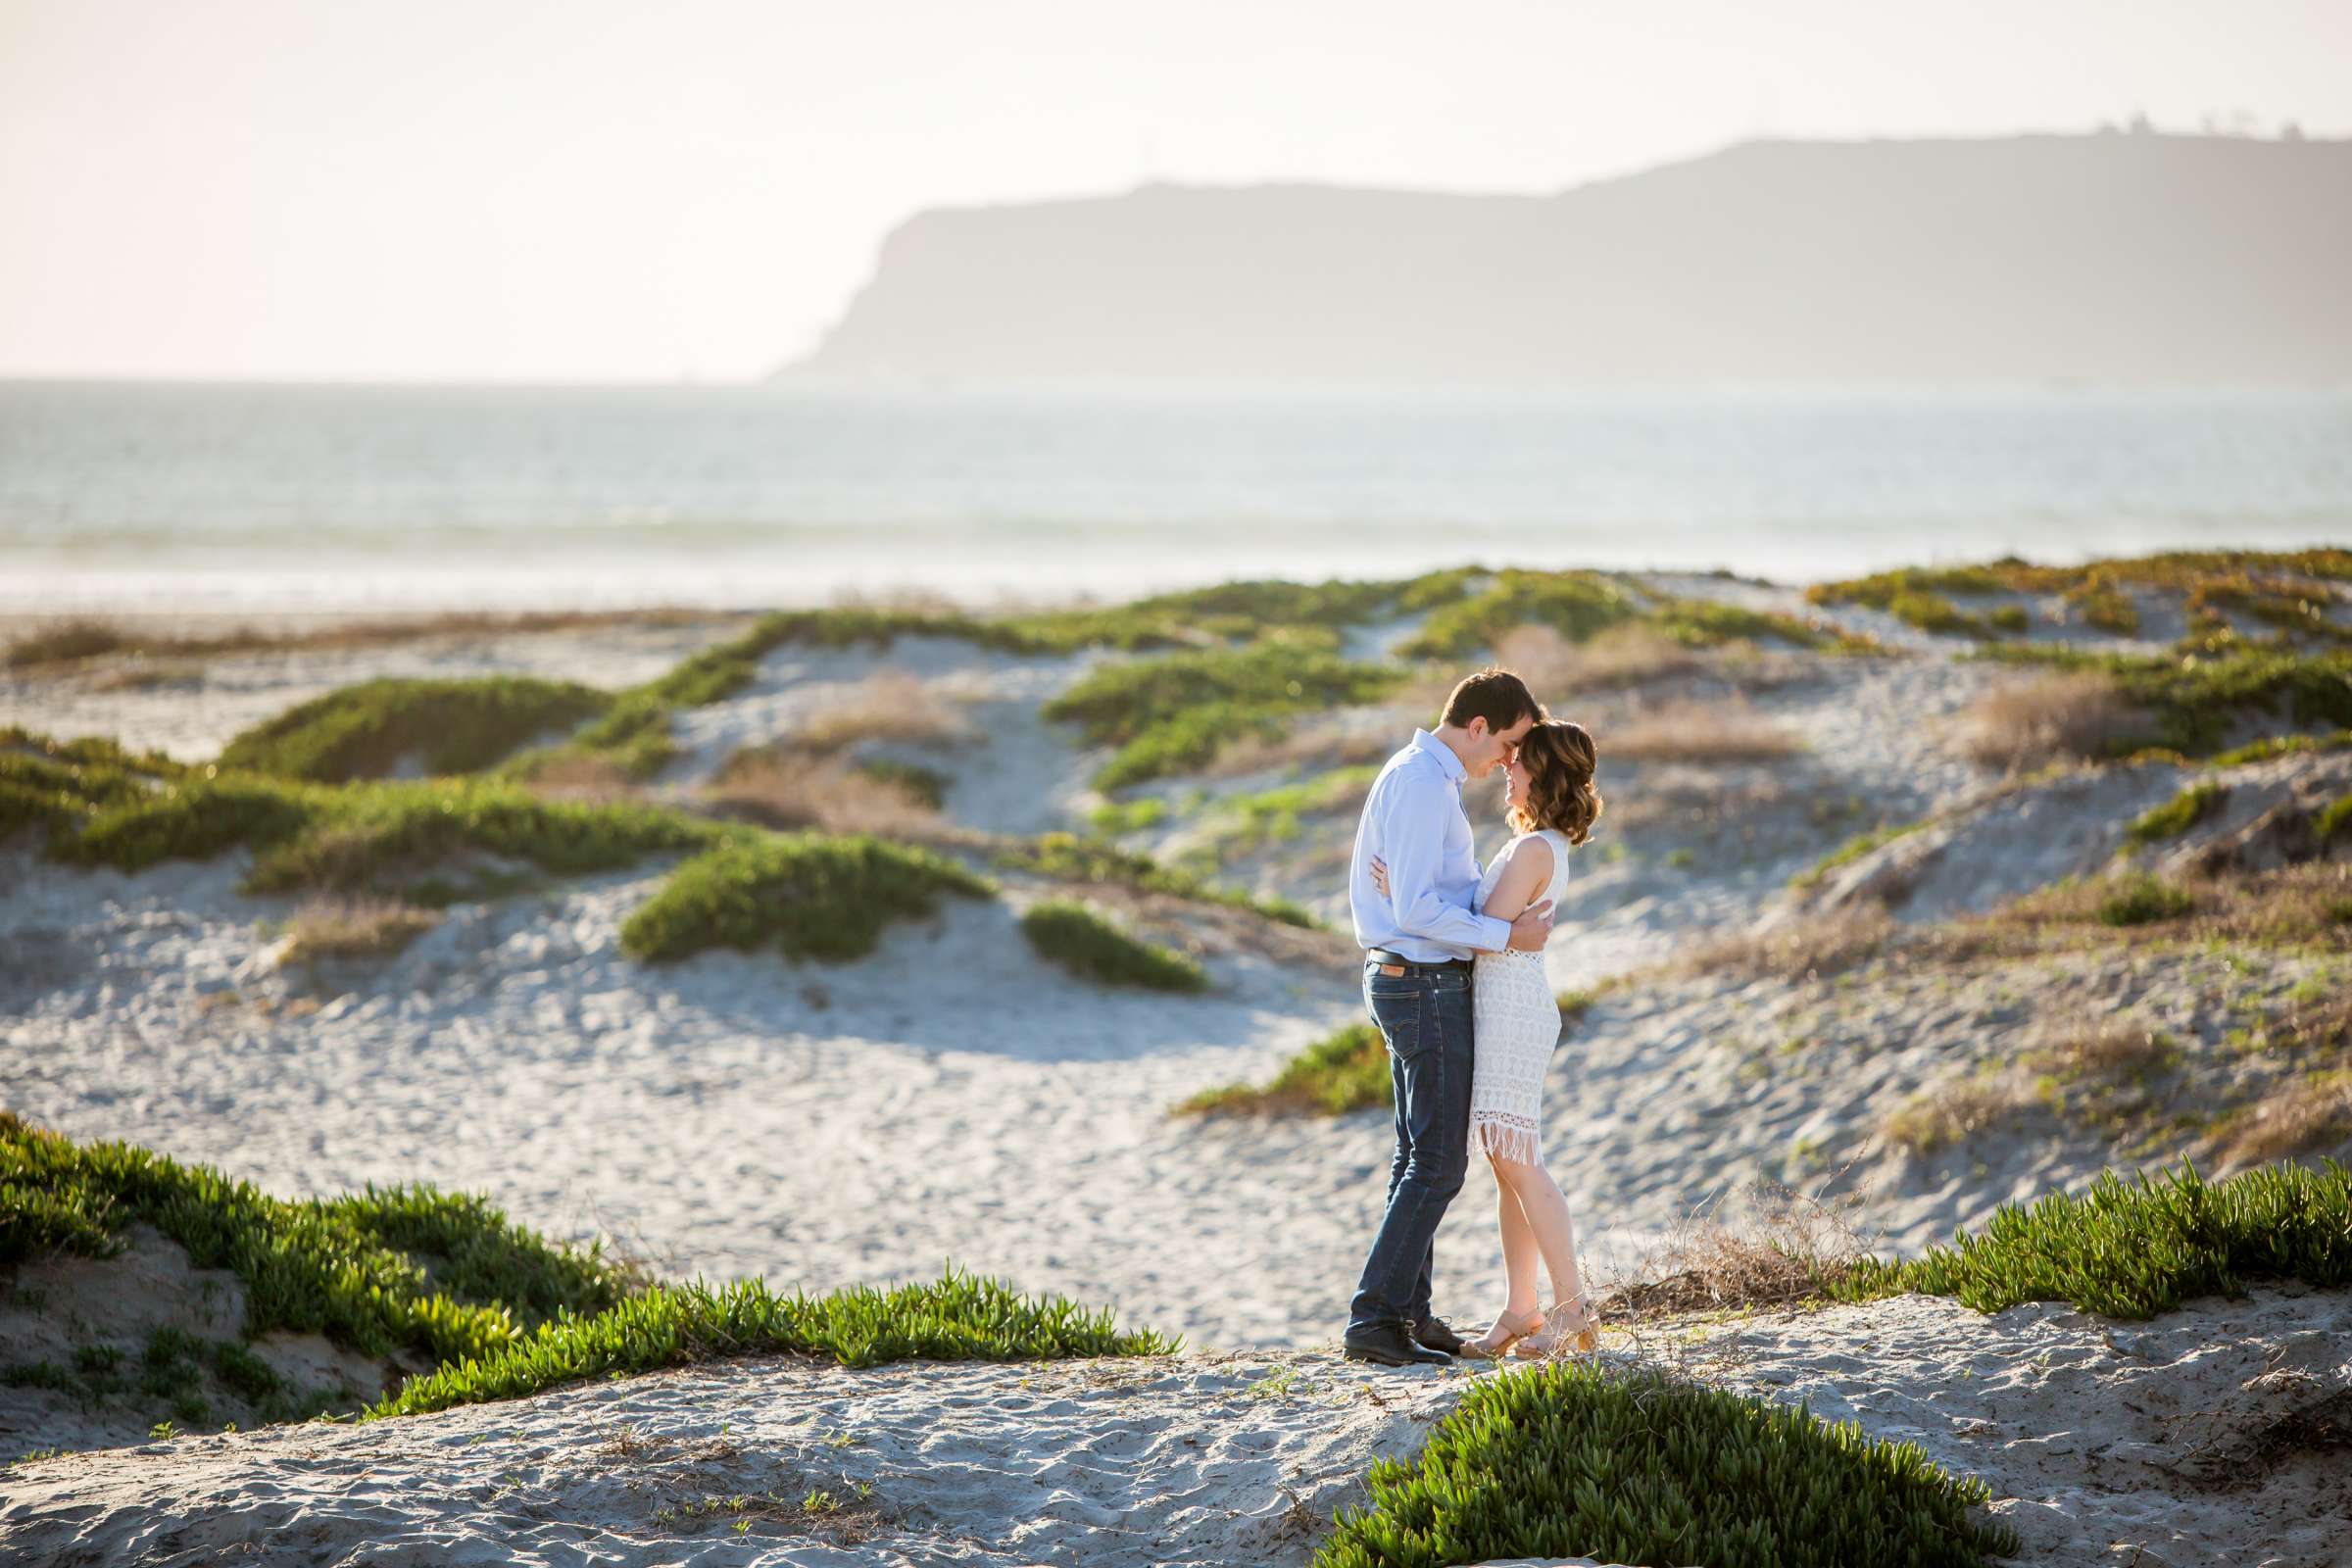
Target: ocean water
(273, 498)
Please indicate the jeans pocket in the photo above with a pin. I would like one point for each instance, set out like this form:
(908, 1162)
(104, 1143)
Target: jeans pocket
(1398, 1014)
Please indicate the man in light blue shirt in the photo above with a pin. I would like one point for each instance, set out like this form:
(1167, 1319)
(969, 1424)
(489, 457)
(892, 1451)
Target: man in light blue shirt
(1418, 940)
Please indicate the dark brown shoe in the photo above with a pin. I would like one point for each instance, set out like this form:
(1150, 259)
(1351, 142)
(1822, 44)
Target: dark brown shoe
(1437, 1335)
(1392, 1347)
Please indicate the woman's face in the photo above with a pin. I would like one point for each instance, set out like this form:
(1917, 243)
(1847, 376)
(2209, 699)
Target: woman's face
(1514, 789)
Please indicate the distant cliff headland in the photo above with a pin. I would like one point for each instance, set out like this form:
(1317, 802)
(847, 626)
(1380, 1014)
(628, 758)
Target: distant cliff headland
(2132, 258)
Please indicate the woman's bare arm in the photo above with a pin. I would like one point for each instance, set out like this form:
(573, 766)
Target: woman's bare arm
(1526, 871)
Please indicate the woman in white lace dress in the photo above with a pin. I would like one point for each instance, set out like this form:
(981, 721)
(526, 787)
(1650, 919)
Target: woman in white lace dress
(1551, 804)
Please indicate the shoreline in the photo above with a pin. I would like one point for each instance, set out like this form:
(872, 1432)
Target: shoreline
(1049, 565)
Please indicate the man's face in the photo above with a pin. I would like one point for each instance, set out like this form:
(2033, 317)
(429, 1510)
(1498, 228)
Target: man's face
(1491, 748)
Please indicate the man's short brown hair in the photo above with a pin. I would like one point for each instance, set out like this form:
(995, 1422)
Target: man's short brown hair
(1492, 694)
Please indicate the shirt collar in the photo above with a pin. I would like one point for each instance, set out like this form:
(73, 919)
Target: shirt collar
(1443, 752)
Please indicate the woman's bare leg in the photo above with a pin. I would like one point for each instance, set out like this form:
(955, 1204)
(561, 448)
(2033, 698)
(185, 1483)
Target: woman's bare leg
(1519, 1254)
(1522, 1308)
(1545, 1209)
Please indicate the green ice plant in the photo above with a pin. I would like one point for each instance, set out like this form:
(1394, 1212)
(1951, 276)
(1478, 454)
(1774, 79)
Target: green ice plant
(812, 896)
(1070, 858)
(455, 726)
(2134, 1248)
(1173, 714)
(2176, 815)
(962, 1317)
(1090, 944)
(347, 1267)
(1346, 1070)
(1573, 1459)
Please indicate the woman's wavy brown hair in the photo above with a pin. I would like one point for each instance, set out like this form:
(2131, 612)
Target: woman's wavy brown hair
(1560, 759)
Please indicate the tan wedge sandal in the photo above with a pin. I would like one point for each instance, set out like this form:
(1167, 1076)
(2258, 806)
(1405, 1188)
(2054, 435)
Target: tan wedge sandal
(1554, 1340)
(1486, 1348)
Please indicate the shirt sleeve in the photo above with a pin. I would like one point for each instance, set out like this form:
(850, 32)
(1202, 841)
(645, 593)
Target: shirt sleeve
(1414, 836)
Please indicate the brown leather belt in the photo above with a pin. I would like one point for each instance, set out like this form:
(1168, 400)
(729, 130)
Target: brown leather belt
(1383, 957)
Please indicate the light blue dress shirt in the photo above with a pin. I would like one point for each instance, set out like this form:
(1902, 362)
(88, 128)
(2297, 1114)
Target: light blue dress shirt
(1413, 820)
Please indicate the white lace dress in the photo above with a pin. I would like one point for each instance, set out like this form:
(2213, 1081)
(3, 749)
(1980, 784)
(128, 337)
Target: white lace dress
(1514, 1029)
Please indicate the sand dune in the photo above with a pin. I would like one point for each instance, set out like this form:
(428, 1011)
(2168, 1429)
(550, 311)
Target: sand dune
(955, 1097)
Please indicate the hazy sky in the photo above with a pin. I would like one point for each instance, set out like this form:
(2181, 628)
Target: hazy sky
(611, 189)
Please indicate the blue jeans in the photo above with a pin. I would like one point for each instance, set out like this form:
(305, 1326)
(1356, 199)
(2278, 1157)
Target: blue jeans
(1424, 1015)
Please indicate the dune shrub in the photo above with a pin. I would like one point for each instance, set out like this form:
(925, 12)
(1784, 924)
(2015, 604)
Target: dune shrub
(90, 751)
(1068, 857)
(502, 1310)
(2288, 906)
(2309, 1112)
(2270, 746)
(575, 773)
(372, 835)
(1140, 816)
(1243, 822)
(1575, 1461)
(2126, 1246)
(381, 833)
(1932, 612)
(1346, 1070)
(2194, 703)
(66, 641)
(1175, 712)
(454, 726)
(55, 787)
(1852, 850)
(2176, 815)
(635, 729)
(962, 1318)
(812, 896)
(890, 703)
(2145, 900)
(1706, 623)
(791, 790)
(1336, 602)
(194, 821)
(355, 928)
(349, 1268)
(1088, 944)
(2109, 609)
(1879, 590)
(1575, 604)
(926, 787)
(1954, 1111)
(2134, 1248)
(2026, 723)
(633, 734)
(2335, 819)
